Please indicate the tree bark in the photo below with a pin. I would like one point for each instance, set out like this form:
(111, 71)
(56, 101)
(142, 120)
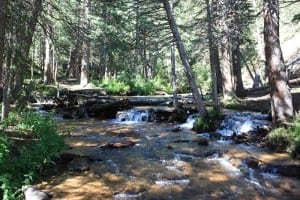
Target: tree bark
(24, 42)
(213, 57)
(84, 73)
(235, 51)
(7, 83)
(188, 70)
(3, 5)
(227, 71)
(237, 66)
(137, 56)
(281, 98)
(173, 76)
(102, 48)
(49, 65)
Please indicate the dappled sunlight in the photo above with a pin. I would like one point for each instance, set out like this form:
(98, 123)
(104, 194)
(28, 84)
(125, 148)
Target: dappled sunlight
(277, 158)
(161, 164)
(78, 186)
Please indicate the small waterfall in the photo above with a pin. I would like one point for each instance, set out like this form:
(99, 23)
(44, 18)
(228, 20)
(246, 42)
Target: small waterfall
(189, 124)
(135, 116)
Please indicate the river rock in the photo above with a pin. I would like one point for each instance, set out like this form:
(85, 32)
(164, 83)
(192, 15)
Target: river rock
(178, 115)
(252, 162)
(288, 170)
(202, 141)
(214, 152)
(33, 193)
(79, 164)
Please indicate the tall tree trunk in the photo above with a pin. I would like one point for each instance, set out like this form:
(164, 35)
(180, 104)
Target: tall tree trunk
(7, 83)
(188, 70)
(215, 44)
(281, 98)
(24, 41)
(227, 72)
(103, 53)
(137, 38)
(237, 67)
(49, 68)
(235, 51)
(3, 5)
(84, 73)
(213, 57)
(173, 76)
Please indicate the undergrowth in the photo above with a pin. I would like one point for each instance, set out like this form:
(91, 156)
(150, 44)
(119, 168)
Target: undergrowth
(28, 143)
(206, 124)
(133, 86)
(286, 139)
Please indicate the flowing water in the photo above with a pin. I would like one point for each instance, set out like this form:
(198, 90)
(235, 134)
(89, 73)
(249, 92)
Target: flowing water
(162, 164)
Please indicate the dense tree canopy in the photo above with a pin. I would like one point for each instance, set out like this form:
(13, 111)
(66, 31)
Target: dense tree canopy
(127, 43)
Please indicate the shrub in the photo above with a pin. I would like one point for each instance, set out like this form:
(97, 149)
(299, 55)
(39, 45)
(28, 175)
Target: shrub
(114, 86)
(278, 139)
(286, 139)
(294, 148)
(208, 124)
(202, 124)
(20, 164)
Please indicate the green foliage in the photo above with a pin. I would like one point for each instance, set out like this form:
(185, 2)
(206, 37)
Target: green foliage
(4, 146)
(204, 77)
(133, 86)
(141, 86)
(45, 90)
(207, 124)
(114, 86)
(278, 139)
(202, 124)
(294, 137)
(286, 139)
(231, 104)
(20, 164)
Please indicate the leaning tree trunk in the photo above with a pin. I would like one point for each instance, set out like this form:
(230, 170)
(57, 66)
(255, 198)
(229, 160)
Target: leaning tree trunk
(281, 98)
(188, 70)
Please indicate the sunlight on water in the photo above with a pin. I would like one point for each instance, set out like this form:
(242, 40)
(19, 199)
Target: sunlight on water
(173, 182)
(162, 165)
(226, 164)
(134, 116)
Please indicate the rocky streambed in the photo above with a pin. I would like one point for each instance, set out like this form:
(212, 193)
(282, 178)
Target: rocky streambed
(148, 160)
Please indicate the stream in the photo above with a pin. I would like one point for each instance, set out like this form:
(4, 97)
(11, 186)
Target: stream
(113, 159)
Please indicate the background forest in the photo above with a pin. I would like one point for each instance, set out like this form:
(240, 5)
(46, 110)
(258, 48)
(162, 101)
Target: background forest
(125, 46)
(129, 47)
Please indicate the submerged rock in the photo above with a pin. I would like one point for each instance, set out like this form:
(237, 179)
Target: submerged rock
(202, 141)
(79, 164)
